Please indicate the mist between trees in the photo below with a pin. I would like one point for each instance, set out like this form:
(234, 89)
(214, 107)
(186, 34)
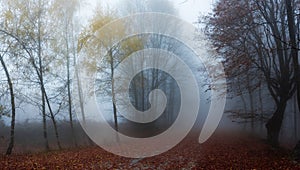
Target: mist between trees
(40, 43)
(257, 41)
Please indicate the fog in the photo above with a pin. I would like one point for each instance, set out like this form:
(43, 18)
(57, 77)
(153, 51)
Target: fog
(151, 89)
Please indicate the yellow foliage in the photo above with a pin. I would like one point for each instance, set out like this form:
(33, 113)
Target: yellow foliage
(8, 15)
(98, 41)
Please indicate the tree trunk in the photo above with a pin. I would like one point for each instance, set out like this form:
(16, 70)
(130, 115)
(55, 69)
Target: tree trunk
(69, 94)
(13, 108)
(81, 102)
(113, 95)
(294, 46)
(45, 98)
(274, 124)
(250, 101)
(261, 104)
(143, 89)
(39, 70)
(80, 95)
(241, 95)
(40, 76)
(295, 117)
(51, 115)
(44, 122)
(294, 50)
(56, 132)
(113, 92)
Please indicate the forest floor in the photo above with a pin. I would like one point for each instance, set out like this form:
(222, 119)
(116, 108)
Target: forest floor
(221, 151)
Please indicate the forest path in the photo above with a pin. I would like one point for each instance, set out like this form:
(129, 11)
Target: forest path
(222, 151)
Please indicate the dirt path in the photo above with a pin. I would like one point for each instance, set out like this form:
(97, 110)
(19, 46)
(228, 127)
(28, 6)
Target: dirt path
(222, 151)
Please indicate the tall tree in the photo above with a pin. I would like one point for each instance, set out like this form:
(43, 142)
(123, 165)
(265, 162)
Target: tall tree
(293, 43)
(257, 31)
(13, 105)
(65, 14)
(31, 35)
(98, 47)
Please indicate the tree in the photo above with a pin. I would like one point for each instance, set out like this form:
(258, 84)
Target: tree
(149, 80)
(13, 105)
(254, 32)
(31, 36)
(111, 55)
(96, 46)
(293, 43)
(66, 45)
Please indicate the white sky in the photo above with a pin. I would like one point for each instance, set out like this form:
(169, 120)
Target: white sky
(189, 10)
